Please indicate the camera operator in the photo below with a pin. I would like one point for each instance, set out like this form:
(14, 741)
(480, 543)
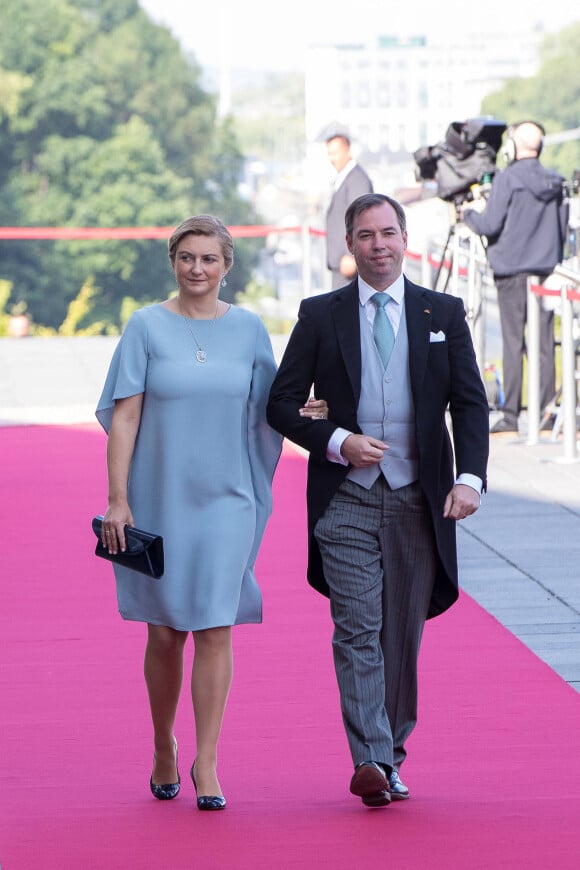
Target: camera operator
(525, 221)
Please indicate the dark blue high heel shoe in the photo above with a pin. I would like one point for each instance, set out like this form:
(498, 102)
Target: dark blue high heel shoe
(168, 791)
(207, 802)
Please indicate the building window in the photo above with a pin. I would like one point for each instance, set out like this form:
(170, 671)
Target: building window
(364, 94)
(363, 135)
(383, 93)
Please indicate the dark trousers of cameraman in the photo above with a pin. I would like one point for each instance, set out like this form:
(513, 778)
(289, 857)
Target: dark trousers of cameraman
(512, 297)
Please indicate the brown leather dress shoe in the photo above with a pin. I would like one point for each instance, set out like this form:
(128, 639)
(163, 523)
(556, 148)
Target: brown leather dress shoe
(370, 783)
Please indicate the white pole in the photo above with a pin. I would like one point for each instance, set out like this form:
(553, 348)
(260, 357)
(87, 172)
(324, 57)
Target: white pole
(533, 353)
(426, 273)
(478, 300)
(568, 378)
(306, 261)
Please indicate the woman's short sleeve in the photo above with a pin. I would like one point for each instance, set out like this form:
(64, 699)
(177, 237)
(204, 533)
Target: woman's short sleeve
(127, 371)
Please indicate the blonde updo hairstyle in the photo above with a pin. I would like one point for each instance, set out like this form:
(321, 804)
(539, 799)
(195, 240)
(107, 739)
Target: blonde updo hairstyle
(203, 225)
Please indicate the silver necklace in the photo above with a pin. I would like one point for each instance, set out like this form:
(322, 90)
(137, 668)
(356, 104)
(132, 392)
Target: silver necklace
(200, 354)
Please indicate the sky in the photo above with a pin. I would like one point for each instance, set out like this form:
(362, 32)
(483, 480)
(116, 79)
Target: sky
(265, 34)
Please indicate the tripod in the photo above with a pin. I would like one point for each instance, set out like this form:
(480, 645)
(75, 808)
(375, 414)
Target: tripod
(464, 264)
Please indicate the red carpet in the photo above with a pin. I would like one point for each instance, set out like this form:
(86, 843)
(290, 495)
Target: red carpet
(494, 765)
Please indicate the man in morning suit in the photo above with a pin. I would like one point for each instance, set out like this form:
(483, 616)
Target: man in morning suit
(383, 495)
(351, 181)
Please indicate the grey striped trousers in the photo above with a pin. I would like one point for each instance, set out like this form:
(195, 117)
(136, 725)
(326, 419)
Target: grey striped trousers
(379, 558)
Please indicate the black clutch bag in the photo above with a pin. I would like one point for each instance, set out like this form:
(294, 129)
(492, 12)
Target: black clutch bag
(144, 551)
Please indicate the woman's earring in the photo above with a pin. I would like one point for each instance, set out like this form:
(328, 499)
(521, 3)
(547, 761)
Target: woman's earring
(224, 282)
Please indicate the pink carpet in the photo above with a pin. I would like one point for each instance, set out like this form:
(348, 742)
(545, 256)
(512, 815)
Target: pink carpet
(494, 764)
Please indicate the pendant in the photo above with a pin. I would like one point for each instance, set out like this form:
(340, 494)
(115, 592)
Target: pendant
(201, 356)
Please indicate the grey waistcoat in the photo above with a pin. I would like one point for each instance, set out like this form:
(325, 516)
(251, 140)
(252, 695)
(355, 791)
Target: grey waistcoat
(386, 410)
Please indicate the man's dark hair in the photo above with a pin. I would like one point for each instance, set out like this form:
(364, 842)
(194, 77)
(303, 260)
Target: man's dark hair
(338, 135)
(370, 200)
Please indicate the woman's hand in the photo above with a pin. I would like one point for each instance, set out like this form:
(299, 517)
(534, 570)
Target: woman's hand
(113, 531)
(120, 446)
(314, 409)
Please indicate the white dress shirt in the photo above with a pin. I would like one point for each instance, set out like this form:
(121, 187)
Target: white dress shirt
(393, 309)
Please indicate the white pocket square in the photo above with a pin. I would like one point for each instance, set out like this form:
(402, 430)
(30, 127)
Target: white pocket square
(437, 336)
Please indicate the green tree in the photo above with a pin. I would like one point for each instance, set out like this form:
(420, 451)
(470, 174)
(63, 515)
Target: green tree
(104, 123)
(270, 117)
(551, 97)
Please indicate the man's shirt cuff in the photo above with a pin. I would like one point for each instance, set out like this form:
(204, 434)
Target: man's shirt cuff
(471, 480)
(337, 439)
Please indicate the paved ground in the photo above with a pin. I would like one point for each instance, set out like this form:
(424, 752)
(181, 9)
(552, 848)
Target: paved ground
(519, 555)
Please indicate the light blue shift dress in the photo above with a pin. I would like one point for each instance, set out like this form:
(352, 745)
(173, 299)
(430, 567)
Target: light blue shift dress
(203, 463)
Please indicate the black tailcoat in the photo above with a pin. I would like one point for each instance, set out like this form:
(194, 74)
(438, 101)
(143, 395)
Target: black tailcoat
(324, 352)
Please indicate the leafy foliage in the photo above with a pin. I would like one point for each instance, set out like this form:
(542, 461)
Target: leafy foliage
(103, 122)
(551, 97)
(270, 117)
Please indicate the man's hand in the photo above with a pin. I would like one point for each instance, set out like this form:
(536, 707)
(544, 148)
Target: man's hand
(473, 205)
(461, 502)
(362, 451)
(347, 266)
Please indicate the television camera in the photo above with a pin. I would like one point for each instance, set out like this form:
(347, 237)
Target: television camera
(463, 166)
(464, 159)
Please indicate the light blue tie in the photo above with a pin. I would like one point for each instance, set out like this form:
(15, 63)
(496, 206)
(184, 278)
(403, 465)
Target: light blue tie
(382, 329)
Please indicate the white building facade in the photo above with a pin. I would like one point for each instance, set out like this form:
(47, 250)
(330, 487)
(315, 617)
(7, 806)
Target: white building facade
(395, 94)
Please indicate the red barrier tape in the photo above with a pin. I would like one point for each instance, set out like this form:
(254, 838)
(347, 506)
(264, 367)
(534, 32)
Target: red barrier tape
(540, 290)
(60, 233)
(238, 232)
(435, 262)
(88, 233)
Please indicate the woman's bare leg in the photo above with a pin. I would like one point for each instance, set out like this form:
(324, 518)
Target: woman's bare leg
(163, 676)
(211, 679)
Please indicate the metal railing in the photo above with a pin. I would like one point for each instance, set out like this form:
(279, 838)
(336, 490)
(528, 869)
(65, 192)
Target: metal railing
(468, 275)
(568, 294)
(461, 268)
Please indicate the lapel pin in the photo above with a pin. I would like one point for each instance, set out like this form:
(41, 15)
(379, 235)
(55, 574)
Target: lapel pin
(426, 311)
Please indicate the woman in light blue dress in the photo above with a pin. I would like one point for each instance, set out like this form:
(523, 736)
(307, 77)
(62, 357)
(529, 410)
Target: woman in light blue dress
(191, 457)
